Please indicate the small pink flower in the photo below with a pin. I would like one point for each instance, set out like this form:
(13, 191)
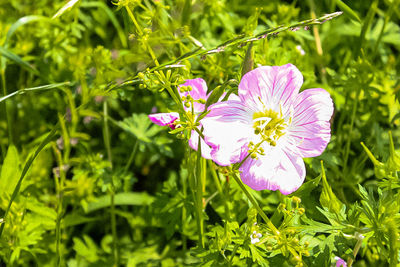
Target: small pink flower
(271, 128)
(199, 91)
(340, 262)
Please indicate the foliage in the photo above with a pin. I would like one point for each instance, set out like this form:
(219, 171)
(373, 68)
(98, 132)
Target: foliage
(87, 180)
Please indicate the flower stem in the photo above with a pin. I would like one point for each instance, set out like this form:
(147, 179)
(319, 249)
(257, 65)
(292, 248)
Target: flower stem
(255, 204)
(8, 117)
(59, 182)
(199, 196)
(359, 238)
(139, 30)
(220, 190)
(107, 142)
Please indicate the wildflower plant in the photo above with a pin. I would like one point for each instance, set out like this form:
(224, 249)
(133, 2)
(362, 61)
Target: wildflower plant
(183, 133)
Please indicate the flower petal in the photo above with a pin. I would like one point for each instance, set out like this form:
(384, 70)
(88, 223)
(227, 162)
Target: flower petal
(164, 119)
(226, 129)
(270, 87)
(310, 130)
(199, 91)
(278, 170)
(194, 141)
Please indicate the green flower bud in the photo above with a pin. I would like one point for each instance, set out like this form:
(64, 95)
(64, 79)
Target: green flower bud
(296, 200)
(301, 211)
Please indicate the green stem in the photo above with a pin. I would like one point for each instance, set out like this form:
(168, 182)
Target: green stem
(199, 195)
(255, 204)
(357, 247)
(107, 143)
(220, 190)
(388, 15)
(59, 181)
(353, 116)
(184, 216)
(7, 114)
(148, 47)
(131, 156)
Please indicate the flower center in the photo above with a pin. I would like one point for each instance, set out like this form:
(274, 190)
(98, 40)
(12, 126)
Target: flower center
(269, 125)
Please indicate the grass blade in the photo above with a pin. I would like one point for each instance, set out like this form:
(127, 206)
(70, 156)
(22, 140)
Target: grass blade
(38, 88)
(13, 57)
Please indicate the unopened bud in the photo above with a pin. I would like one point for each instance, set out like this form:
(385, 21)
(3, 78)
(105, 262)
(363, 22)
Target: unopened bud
(296, 199)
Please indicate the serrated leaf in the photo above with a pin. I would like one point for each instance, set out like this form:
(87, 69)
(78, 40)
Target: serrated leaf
(140, 126)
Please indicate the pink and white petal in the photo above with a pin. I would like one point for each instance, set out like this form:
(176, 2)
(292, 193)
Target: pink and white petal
(227, 128)
(269, 87)
(310, 130)
(194, 141)
(199, 91)
(164, 119)
(279, 170)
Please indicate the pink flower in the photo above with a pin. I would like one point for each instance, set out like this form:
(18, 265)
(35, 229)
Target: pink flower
(270, 128)
(198, 92)
(340, 262)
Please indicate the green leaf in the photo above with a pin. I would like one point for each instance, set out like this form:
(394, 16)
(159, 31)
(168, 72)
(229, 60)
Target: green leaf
(217, 93)
(65, 8)
(248, 62)
(76, 219)
(131, 198)
(346, 9)
(112, 17)
(25, 20)
(141, 127)
(10, 172)
(13, 57)
(86, 249)
(27, 165)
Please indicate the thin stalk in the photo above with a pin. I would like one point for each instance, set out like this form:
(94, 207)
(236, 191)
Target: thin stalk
(128, 164)
(388, 15)
(131, 156)
(184, 239)
(59, 181)
(8, 117)
(317, 38)
(148, 47)
(220, 190)
(199, 194)
(357, 247)
(107, 142)
(255, 204)
(353, 116)
(366, 25)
